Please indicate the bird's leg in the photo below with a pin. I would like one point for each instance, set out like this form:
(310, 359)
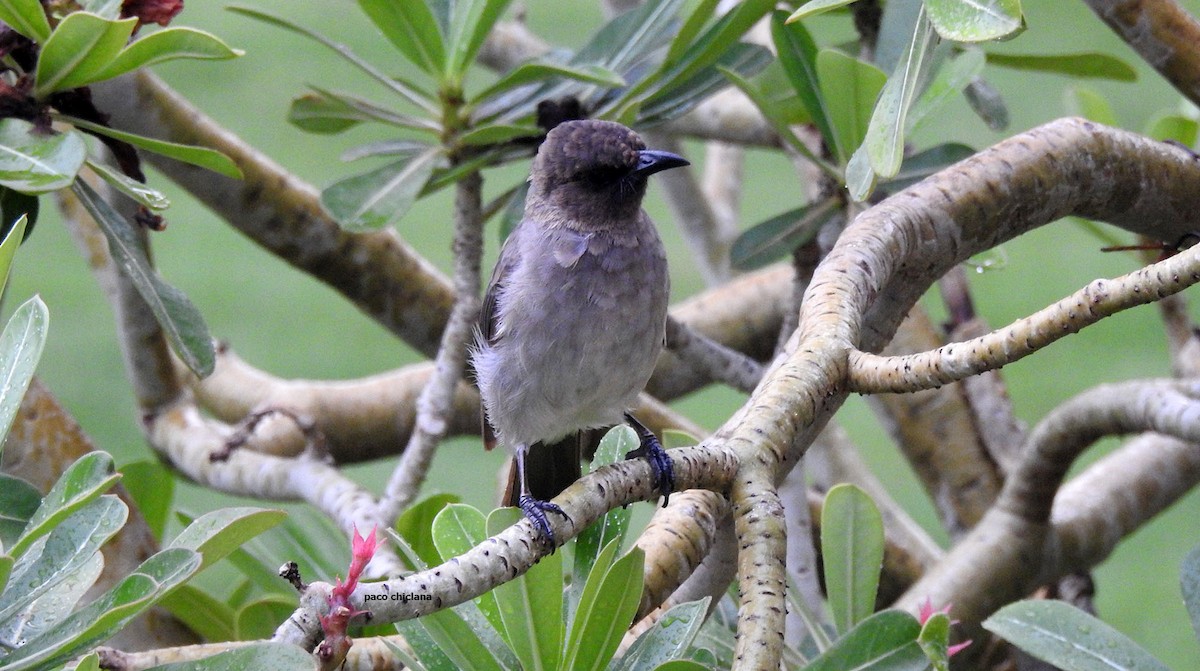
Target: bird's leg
(533, 508)
(652, 450)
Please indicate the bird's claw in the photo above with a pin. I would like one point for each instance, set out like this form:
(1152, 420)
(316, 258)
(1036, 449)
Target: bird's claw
(660, 462)
(535, 510)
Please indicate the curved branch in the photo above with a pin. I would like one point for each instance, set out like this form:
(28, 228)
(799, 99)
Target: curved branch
(1163, 33)
(873, 374)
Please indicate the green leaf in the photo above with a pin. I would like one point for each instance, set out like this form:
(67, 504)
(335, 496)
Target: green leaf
(682, 96)
(89, 662)
(79, 50)
(427, 655)
(257, 656)
(380, 197)
(951, 79)
(411, 28)
(415, 525)
(885, 133)
(90, 476)
(259, 618)
(852, 554)
(26, 17)
(460, 641)
(1093, 65)
(682, 665)
(109, 613)
(13, 206)
(1189, 586)
(690, 30)
(456, 529)
(850, 88)
(860, 176)
(67, 549)
(180, 320)
(886, 641)
(333, 112)
(218, 533)
(470, 23)
(139, 192)
(36, 615)
(815, 7)
(781, 125)
(592, 542)
(798, 55)
(198, 156)
(1068, 638)
(919, 166)
(597, 630)
(668, 639)
(8, 249)
(528, 73)
(402, 88)
(168, 44)
(975, 20)
(19, 500)
(109, 9)
(585, 587)
(628, 37)
(34, 162)
(935, 641)
(151, 485)
(203, 613)
(1174, 127)
(497, 134)
(530, 606)
(1091, 105)
(769, 240)
(987, 103)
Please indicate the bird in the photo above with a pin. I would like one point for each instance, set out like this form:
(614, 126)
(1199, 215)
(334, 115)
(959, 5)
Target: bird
(574, 316)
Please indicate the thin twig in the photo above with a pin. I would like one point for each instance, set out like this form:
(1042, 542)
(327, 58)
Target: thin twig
(718, 362)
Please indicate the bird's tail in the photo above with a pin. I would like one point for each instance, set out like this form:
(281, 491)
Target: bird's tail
(551, 468)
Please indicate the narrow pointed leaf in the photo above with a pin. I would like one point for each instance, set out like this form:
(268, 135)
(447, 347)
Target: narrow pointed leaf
(415, 525)
(713, 42)
(886, 641)
(90, 476)
(470, 23)
(460, 641)
(34, 162)
(21, 346)
(1174, 127)
(612, 527)
(259, 618)
(53, 604)
(852, 554)
(975, 20)
(198, 156)
(603, 625)
(798, 54)
(13, 206)
(67, 549)
(151, 485)
(168, 44)
(1094, 65)
(591, 580)
(770, 240)
(860, 177)
(690, 30)
(218, 533)
(885, 133)
(326, 111)
(530, 607)
(27, 17)
(81, 47)
(109, 613)
(456, 529)
(814, 7)
(528, 73)
(1069, 638)
(781, 124)
(8, 250)
(380, 197)
(668, 639)
(89, 662)
(497, 134)
(952, 78)
(142, 194)
(850, 88)
(178, 317)
(681, 97)
(426, 654)
(411, 28)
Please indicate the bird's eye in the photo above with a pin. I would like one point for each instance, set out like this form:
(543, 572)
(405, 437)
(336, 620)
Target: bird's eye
(602, 175)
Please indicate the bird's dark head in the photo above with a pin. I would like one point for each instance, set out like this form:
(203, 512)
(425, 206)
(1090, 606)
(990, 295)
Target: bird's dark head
(596, 171)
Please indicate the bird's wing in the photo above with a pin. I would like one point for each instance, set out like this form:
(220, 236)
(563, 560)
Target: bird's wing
(488, 313)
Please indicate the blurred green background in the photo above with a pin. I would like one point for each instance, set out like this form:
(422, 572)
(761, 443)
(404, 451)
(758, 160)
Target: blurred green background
(286, 323)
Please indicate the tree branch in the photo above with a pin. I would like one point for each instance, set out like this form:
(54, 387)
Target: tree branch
(1163, 33)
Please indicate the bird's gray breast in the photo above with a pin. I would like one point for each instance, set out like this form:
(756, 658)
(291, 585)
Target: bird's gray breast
(580, 327)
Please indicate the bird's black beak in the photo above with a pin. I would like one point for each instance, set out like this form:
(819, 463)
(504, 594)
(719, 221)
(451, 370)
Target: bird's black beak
(651, 161)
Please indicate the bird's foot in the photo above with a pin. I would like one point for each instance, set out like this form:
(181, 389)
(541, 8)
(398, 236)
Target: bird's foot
(536, 510)
(652, 450)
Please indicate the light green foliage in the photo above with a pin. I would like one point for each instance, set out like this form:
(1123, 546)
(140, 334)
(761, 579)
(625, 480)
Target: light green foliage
(34, 162)
(852, 551)
(260, 657)
(1069, 638)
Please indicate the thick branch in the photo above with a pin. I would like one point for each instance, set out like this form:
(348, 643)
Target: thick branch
(1163, 33)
